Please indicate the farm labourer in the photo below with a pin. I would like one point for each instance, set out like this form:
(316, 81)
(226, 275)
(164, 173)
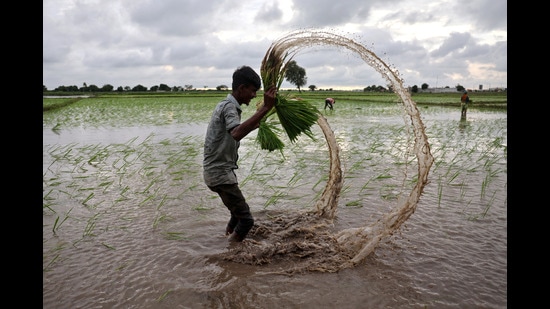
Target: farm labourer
(329, 102)
(221, 145)
(464, 100)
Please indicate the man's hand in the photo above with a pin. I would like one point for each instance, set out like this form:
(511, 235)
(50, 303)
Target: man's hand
(253, 122)
(270, 97)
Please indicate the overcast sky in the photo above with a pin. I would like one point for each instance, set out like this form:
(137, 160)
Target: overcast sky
(201, 42)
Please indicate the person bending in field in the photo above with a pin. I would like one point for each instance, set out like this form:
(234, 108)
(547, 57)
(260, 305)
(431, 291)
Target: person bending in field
(329, 102)
(464, 100)
(221, 146)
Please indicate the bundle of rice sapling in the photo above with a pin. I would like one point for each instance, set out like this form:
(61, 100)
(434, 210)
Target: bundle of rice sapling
(295, 116)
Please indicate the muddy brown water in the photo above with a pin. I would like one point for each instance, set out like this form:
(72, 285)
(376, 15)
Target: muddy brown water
(128, 222)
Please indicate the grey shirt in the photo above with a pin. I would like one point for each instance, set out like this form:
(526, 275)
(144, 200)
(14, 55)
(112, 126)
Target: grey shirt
(220, 148)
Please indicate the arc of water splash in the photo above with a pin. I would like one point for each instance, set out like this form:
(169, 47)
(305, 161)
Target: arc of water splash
(328, 202)
(365, 239)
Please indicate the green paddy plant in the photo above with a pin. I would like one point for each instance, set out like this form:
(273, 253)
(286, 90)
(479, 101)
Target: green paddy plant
(295, 116)
(163, 296)
(439, 192)
(108, 246)
(174, 235)
(489, 204)
(87, 199)
(158, 219)
(90, 226)
(356, 203)
(47, 268)
(58, 224)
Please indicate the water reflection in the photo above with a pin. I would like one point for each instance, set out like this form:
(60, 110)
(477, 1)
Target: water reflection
(463, 123)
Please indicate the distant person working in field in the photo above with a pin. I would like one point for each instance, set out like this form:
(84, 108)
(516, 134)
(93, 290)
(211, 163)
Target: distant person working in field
(464, 100)
(221, 146)
(329, 102)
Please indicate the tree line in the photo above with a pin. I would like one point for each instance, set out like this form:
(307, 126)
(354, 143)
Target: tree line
(294, 74)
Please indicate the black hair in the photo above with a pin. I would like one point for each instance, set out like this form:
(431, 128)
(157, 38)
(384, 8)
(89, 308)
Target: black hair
(247, 76)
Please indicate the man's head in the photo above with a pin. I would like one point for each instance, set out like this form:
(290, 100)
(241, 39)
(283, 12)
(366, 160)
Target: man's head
(245, 84)
(245, 75)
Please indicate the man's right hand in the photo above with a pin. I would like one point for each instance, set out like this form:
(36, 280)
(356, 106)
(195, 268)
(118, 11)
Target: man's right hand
(270, 97)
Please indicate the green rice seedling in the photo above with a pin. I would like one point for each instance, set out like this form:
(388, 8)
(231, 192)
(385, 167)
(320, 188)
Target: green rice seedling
(52, 261)
(268, 138)
(49, 206)
(47, 196)
(148, 198)
(439, 192)
(163, 296)
(295, 178)
(146, 189)
(323, 179)
(58, 224)
(159, 219)
(88, 198)
(162, 202)
(108, 246)
(453, 177)
(124, 265)
(486, 210)
(484, 185)
(387, 192)
(356, 203)
(174, 235)
(295, 116)
(383, 176)
(365, 186)
(90, 226)
(274, 198)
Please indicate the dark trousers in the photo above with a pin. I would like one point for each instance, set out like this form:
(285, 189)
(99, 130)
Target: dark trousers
(241, 220)
(464, 109)
(328, 103)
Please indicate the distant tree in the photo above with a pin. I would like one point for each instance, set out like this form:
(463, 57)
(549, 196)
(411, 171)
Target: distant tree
(107, 88)
(127, 88)
(139, 88)
(154, 88)
(119, 89)
(93, 88)
(222, 87)
(73, 88)
(312, 87)
(459, 87)
(424, 86)
(164, 87)
(188, 87)
(414, 89)
(295, 75)
(370, 88)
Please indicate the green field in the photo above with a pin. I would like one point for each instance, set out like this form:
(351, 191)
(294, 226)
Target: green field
(479, 99)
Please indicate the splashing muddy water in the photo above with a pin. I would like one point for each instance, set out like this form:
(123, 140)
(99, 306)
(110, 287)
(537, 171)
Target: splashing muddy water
(307, 238)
